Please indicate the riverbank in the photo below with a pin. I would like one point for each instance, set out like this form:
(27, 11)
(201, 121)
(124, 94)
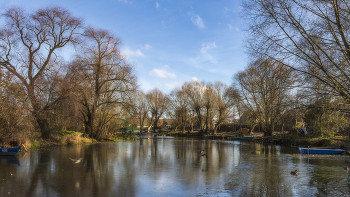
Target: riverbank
(286, 139)
(58, 138)
(66, 138)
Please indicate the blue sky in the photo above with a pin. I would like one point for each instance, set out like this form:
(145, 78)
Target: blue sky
(168, 42)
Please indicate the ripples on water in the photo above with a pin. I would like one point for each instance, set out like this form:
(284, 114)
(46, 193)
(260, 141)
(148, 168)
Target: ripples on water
(173, 167)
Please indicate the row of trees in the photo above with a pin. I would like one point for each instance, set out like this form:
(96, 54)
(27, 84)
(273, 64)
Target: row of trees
(299, 52)
(298, 74)
(83, 93)
(92, 92)
(195, 103)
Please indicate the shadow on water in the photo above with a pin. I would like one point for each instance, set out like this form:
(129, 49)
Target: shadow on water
(173, 167)
(9, 160)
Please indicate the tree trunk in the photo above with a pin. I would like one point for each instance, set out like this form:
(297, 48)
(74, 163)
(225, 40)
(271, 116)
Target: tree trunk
(216, 128)
(89, 129)
(44, 126)
(141, 129)
(183, 124)
(155, 125)
(39, 115)
(252, 129)
(206, 121)
(268, 131)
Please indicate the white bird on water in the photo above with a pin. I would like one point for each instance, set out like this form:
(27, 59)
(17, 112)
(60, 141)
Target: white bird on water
(76, 161)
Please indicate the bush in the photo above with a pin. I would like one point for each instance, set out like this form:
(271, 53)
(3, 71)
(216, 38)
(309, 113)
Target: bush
(72, 138)
(34, 144)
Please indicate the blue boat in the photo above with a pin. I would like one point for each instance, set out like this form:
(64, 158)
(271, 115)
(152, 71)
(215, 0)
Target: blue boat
(242, 138)
(9, 151)
(321, 151)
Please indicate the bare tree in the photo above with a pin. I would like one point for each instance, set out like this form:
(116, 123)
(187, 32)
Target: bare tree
(157, 104)
(226, 97)
(105, 80)
(178, 108)
(194, 91)
(209, 100)
(264, 88)
(311, 36)
(14, 109)
(28, 43)
(139, 109)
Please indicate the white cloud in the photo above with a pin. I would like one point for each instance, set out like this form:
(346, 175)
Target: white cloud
(232, 28)
(173, 85)
(197, 20)
(194, 79)
(206, 51)
(226, 9)
(129, 53)
(125, 1)
(163, 72)
(157, 5)
(147, 47)
(205, 55)
(208, 46)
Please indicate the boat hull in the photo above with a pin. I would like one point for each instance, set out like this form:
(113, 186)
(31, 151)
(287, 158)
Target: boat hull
(9, 151)
(321, 151)
(242, 138)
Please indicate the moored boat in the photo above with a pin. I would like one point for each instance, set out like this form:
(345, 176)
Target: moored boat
(250, 138)
(321, 151)
(9, 151)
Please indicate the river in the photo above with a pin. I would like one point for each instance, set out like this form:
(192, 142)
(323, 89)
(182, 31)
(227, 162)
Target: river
(173, 167)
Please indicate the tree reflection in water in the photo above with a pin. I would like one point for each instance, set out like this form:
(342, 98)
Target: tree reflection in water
(164, 166)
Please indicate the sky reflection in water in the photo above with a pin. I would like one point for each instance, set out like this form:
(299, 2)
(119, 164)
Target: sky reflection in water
(173, 167)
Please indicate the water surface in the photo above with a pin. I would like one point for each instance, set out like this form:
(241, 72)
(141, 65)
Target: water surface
(173, 167)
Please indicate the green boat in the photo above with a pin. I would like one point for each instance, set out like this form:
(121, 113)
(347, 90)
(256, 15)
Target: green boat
(250, 138)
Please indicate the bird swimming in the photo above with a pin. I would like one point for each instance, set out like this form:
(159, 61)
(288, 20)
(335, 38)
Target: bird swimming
(294, 172)
(76, 161)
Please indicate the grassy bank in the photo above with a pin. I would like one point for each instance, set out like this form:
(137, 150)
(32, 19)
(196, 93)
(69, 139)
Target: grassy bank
(58, 138)
(72, 138)
(314, 141)
(324, 142)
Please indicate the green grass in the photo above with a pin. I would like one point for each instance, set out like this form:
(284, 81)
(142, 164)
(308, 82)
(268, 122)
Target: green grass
(34, 144)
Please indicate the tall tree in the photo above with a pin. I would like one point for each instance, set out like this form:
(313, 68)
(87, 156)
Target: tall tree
(29, 43)
(264, 88)
(311, 36)
(105, 80)
(208, 104)
(178, 108)
(157, 104)
(14, 108)
(139, 109)
(225, 100)
(194, 91)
